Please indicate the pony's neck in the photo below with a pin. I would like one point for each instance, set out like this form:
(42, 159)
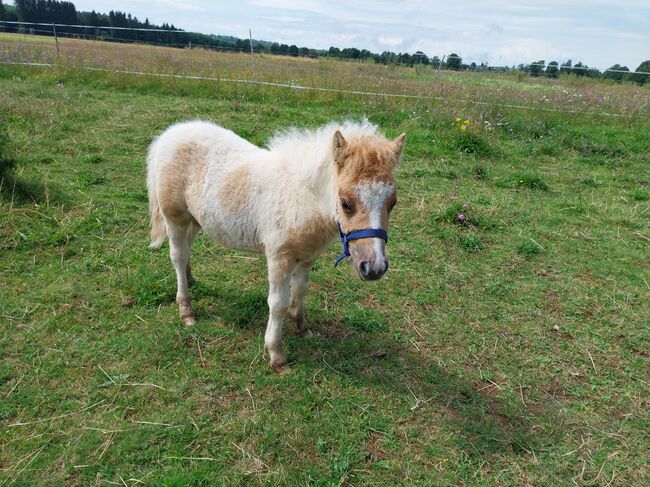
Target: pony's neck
(326, 187)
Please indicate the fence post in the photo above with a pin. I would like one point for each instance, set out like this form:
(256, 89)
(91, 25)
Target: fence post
(435, 78)
(250, 39)
(56, 39)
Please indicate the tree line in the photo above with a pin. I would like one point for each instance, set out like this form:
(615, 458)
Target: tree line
(615, 72)
(104, 28)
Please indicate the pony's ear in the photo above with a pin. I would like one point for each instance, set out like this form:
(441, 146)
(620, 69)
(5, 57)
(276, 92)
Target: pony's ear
(338, 144)
(398, 147)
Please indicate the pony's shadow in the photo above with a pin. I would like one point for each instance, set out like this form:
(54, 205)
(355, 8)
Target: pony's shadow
(24, 191)
(363, 351)
(374, 358)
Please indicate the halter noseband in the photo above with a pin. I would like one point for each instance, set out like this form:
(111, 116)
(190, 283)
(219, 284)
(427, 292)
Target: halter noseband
(346, 238)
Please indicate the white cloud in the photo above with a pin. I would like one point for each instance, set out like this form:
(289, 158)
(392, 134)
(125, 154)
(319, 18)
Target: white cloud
(597, 32)
(390, 41)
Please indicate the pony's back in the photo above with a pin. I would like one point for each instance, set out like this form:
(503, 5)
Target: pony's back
(217, 141)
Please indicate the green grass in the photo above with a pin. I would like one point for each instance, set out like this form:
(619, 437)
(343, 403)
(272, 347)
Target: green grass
(508, 349)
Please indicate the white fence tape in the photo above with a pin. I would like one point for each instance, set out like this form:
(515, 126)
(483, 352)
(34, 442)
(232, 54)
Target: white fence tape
(317, 88)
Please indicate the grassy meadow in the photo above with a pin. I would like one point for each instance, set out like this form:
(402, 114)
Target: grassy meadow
(509, 346)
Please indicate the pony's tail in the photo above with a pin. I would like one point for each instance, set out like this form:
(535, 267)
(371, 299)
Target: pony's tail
(158, 227)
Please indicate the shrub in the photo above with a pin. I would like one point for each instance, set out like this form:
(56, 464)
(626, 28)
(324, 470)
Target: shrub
(7, 161)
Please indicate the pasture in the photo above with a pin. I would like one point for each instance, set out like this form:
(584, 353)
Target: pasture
(509, 346)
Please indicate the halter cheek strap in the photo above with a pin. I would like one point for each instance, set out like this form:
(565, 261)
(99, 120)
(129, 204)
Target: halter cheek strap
(346, 238)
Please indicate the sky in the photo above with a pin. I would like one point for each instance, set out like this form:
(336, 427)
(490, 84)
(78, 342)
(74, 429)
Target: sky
(599, 33)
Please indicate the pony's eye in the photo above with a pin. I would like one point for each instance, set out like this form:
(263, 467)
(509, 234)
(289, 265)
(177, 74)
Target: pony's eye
(345, 206)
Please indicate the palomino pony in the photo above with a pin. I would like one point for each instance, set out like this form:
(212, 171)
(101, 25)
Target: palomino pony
(289, 201)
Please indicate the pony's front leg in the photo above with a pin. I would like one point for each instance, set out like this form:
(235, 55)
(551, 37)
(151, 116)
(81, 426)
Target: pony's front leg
(280, 272)
(299, 284)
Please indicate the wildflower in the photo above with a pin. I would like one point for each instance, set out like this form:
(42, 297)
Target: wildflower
(461, 217)
(465, 206)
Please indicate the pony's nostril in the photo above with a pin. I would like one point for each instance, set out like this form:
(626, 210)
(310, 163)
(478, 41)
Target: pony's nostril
(365, 267)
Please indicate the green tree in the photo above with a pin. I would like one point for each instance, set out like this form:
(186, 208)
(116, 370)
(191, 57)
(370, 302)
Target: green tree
(334, 52)
(350, 53)
(3, 13)
(552, 70)
(536, 68)
(454, 61)
(420, 58)
(640, 75)
(615, 72)
(566, 67)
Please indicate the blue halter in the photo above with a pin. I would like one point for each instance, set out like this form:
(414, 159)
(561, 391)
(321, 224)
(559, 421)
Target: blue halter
(346, 238)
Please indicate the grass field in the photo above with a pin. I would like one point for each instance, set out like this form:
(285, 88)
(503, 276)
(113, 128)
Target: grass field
(511, 348)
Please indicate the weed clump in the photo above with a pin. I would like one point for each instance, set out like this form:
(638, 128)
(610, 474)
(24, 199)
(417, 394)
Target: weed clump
(530, 180)
(464, 215)
(466, 137)
(529, 248)
(639, 194)
(591, 182)
(481, 172)
(470, 142)
(447, 174)
(470, 243)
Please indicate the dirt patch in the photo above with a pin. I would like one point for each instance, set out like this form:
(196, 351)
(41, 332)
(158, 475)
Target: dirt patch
(373, 447)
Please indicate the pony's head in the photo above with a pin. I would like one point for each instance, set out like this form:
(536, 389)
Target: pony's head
(367, 193)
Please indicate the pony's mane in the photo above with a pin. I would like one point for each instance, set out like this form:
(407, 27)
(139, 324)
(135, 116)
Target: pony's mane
(307, 150)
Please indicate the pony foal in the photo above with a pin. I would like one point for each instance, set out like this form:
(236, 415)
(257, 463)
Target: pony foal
(288, 201)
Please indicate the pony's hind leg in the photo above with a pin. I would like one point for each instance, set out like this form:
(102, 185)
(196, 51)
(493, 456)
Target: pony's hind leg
(179, 251)
(192, 232)
(299, 284)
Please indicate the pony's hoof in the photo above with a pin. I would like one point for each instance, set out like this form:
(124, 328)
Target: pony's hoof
(306, 333)
(284, 370)
(189, 320)
(278, 361)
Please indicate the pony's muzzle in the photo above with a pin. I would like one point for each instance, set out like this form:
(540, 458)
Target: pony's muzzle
(369, 258)
(373, 270)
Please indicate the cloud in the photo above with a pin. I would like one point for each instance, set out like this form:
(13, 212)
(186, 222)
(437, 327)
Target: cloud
(390, 41)
(598, 32)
